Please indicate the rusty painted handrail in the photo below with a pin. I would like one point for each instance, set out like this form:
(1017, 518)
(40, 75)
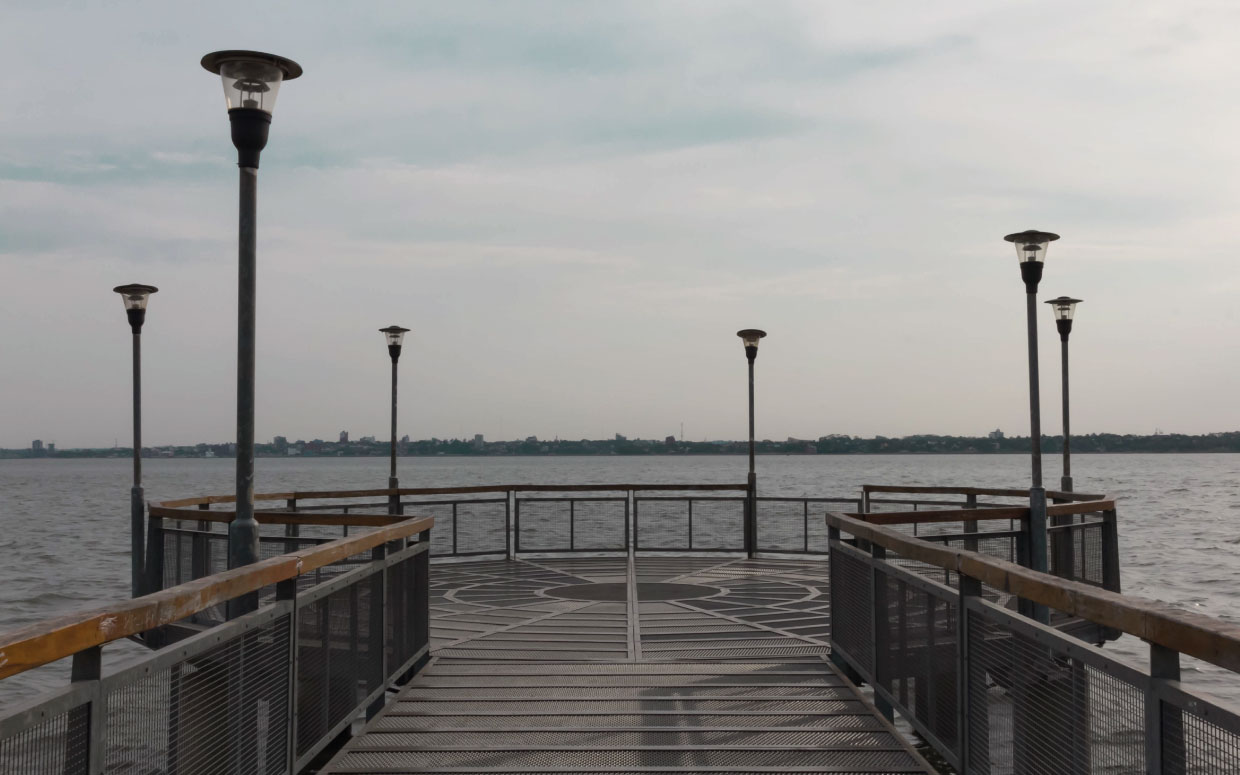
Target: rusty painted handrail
(1204, 637)
(44, 642)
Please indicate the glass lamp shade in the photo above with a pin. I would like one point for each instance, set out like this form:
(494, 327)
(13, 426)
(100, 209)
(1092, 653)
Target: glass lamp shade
(394, 335)
(750, 336)
(135, 295)
(251, 78)
(1031, 245)
(1063, 307)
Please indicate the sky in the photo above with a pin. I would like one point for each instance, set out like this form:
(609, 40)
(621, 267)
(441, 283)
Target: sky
(575, 205)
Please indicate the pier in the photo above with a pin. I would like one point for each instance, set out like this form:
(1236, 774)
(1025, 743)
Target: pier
(627, 628)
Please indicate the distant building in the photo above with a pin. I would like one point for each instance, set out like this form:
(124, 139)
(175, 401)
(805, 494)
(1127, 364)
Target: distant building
(367, 439)
(670, 441)
(531, 439)
(995, 435)
(404, 439)
(621, 437)
(51, 448)
(478, 441)
(281, 444)
(36, 448)
(344, 437)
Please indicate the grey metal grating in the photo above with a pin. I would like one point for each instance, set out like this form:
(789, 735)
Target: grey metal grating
(1031, 703)
(57, 744)
(851, 604)
(225, 707)
(1197, 745)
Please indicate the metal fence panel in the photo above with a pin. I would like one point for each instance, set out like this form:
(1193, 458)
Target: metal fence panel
(1038, 705)
(51, 735)
(852, 608)
(661, 523)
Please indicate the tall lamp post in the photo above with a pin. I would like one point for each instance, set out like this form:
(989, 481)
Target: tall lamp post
(251, 82)
(1064, 308)
(750, 337)
(394, 335)
(135, 297)
(1031, 249)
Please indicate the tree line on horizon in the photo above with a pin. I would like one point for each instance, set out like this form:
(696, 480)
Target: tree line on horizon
(834, 444)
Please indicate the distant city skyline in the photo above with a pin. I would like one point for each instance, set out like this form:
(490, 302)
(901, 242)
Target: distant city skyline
(575, 206)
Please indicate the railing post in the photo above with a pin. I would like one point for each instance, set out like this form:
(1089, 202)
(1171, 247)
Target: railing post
(968, 588)
(287, 591)
(200, 554)
(378, 626)
(1110, 551)
(628, 541)
(751, 517)
(1164, 734)
(516, 525)
(879, 637)
(970, 525)
(508, 498)
(747, 544)
(86, 723)
(154, 554)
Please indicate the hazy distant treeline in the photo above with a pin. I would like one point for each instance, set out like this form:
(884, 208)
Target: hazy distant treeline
(835, 444)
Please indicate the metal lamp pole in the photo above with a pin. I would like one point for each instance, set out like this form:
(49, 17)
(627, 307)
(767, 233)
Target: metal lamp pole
(750, 337)
(395, 336)
(251, 82)
(1064, 308)
(135, 297)
(1031, 250)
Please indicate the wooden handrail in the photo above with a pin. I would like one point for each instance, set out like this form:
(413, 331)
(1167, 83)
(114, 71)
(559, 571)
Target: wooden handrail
(980, 514)
(991, 491)
(1204, 637)
(45, 642)
(403, 491)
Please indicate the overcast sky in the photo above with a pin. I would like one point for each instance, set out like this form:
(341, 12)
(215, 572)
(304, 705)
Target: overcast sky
(575, 205)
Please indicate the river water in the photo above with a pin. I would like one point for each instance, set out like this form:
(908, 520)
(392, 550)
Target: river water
(64, 532)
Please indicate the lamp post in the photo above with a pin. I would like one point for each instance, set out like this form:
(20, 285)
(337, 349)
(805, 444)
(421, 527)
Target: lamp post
(135, 297)
(251, 82)
(1064, 308)
(750, 337)
(1031, 251)
(394, 335)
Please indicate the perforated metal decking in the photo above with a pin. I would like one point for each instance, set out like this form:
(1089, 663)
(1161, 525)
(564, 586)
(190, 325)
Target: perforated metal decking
(607, 665)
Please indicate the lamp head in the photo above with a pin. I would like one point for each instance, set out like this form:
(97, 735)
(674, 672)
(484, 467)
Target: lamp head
(135, 296)
(395, 336)
(750, 337)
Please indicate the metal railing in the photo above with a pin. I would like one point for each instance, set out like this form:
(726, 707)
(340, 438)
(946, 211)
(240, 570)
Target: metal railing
(994, 691)
(265, 692)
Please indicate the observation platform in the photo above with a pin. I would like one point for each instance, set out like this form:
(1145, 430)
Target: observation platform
(615, 664)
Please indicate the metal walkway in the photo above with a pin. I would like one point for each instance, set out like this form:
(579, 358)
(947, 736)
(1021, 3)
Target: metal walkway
(666, 664)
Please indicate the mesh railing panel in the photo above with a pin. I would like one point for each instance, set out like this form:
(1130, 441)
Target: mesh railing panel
(918, 652)
(662, 524)
(339, 645)
(58, 744)
(599, 525)
(1075, 552)
(481, 526)
(223, 709)
(542, 525)
(852, 608)
(1034, 709)
(781, 526)
(719, 524)
(1194, 744)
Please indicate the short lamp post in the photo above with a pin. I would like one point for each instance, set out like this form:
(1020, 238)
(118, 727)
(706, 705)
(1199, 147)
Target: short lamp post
(394, 335)
(1064, 309)
(750, 337)
(251, 82)
(135, 297)
(1031, 249)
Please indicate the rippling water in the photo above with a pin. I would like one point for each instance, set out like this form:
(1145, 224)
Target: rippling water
(65, 540)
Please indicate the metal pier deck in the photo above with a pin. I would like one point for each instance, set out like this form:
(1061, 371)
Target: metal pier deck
(665, 664)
